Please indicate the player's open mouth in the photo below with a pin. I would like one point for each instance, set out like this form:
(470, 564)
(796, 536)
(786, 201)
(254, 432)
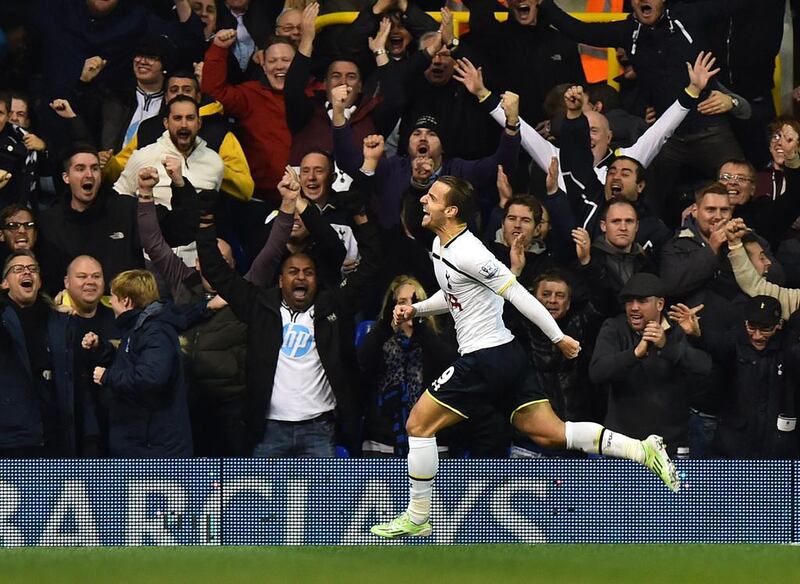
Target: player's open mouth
(524, 10)
(636, 319)
(184, 134)
(299, 292)
(645, 9)
(26, 282)
(616, 189)
(87, 186)
(422, 149)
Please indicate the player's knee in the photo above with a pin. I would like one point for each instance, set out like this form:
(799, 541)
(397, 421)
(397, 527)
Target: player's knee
(419, 428)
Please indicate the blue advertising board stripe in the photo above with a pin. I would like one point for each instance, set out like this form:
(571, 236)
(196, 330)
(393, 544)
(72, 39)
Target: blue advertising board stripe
(209, 502)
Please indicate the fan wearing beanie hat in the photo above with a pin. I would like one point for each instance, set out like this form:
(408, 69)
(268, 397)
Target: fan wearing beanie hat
(395, 174)
(425, 142)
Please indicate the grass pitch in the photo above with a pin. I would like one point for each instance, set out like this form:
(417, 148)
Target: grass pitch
(485, 564)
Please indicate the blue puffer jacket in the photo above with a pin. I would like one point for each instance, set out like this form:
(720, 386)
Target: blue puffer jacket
(20, 413)
(148, 414)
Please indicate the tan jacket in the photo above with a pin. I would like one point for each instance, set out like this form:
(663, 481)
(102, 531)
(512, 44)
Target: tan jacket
(754, 285)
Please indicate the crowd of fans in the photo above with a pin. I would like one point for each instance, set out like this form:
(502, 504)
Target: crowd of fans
(210, 209)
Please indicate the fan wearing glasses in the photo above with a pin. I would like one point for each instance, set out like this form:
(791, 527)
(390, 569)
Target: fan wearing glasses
(17, 229)
(769, 218)
(36, 388)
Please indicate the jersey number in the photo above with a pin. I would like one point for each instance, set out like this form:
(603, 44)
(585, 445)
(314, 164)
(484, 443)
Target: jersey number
(443, 378)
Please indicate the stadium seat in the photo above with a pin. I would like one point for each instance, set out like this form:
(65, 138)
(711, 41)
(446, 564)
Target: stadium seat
(362, 329)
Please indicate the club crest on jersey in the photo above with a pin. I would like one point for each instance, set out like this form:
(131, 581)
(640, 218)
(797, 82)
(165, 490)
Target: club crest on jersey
(489, 270)
(453, 301)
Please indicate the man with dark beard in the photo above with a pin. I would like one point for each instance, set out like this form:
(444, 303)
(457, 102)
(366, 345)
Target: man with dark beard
(179, 155)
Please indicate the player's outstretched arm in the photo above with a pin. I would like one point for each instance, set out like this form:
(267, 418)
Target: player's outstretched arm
(533, 310)
(436, 304)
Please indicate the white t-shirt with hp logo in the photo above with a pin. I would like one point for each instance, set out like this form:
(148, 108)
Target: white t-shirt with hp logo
(301, 390)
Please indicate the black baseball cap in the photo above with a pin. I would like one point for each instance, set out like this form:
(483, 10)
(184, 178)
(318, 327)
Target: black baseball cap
(762, 311)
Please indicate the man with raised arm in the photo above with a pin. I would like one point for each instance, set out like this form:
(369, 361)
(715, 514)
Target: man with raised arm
(644, 150)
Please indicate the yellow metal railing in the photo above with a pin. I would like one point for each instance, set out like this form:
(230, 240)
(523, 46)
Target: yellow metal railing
(462, 17)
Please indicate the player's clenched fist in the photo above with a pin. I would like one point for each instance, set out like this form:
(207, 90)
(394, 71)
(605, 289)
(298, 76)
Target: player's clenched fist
(402, 313)
(569, 347)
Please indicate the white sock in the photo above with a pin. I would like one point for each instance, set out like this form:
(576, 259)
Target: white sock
(423, 463)
(595, 439)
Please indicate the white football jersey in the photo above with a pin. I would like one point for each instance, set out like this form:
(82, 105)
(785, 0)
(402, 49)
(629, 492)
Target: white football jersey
(472, 278)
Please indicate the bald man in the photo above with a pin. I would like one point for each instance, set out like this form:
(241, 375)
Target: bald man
(84, 284)
(288, 25)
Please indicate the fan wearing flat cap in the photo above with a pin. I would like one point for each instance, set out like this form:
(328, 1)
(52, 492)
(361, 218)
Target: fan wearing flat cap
(648, 366)
(759, 363)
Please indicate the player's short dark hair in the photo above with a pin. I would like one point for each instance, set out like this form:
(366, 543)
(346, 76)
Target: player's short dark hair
(712, 188)
(460, 195)
(528, 201)
(641, 172)
(5, 97)
(78, 148)
(617, 200)
(181, 99)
